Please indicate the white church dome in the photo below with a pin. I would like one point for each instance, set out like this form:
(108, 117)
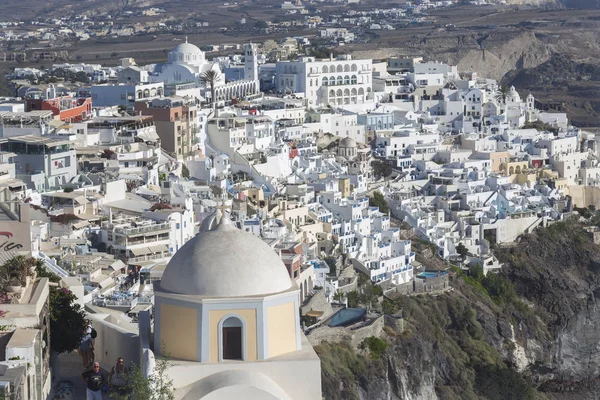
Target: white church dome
(226, 262)
(513, 96)
(186, 53)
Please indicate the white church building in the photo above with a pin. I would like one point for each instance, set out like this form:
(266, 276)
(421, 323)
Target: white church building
(187, 63)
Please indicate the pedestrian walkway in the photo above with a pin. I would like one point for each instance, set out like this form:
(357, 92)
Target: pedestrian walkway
(69, 386)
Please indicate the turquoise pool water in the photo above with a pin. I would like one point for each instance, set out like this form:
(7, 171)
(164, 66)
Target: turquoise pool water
(431, 274)
(347, 316)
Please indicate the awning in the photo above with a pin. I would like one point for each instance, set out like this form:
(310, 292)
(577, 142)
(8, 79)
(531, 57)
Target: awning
(102, 280)
(159, 248)
(140, 251)
(315, 314)
(150, 136)
(81, 224)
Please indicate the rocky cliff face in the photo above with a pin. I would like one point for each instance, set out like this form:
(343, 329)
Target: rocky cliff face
(530, 333)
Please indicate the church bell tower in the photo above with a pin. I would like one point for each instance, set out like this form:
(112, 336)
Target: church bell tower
(250, 62)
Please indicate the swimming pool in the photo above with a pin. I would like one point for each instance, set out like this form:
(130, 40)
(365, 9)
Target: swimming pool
(431, 274)
(347, 316)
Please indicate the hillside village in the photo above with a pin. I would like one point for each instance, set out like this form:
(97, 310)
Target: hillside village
(49, 38)
(341, 166)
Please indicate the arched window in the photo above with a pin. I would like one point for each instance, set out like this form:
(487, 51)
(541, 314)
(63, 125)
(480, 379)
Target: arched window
(232, 334)
(331, 68)
(346, 80)
(353, 80)
(346, 68)
(332, 81)
(354, 67)
(146, 93)
(324, 81)
(324, 69)
(340, 80)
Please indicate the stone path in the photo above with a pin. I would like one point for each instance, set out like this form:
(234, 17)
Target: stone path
(69, 386)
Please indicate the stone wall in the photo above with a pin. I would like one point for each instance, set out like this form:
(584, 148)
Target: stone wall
(431, 284)
(347, 285)
(396, 322)
(340, 334)
(584, 196)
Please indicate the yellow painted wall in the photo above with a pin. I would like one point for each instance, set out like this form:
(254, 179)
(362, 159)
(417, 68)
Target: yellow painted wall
(281, 329)
(345, 187)
(178, 327)
(498, 158)
(251, 343)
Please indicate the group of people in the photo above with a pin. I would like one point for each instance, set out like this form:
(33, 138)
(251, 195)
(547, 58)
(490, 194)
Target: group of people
(97, 381)
(95, 378)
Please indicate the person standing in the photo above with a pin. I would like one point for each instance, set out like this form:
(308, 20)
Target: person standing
(85, 347)
(118, 377)
(94, 380)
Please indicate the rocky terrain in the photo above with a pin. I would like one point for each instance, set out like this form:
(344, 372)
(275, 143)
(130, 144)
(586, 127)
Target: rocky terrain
(531, 332)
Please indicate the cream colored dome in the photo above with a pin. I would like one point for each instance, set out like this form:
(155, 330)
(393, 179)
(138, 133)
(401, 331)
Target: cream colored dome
(226, 262)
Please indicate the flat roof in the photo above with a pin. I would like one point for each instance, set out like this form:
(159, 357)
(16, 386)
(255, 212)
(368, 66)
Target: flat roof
(27, 114)
(64, 195)
(22, 338)
(38, 139)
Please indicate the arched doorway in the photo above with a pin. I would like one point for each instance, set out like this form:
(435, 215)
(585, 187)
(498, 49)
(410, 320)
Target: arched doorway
(231, 338)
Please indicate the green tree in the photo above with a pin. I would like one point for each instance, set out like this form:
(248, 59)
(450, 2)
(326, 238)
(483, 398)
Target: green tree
(501, 94)
(462, 250)
(157, 386)
(476, 272)
(67, 320)
(332, 264)
(389, 307)
(185, 172)
(375, 345)
(381, 169)
(67, 317)
(210, 78)
(352, 298)
(378, 200)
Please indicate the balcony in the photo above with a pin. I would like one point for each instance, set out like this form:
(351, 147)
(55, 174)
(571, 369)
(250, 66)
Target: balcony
(150, 229)
(149, 257)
